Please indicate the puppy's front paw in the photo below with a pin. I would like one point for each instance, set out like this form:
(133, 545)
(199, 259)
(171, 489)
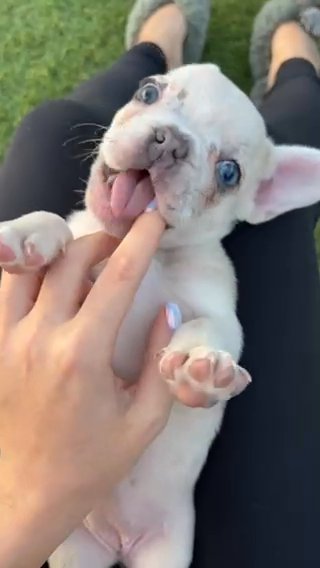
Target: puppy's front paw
(32, 241)
(203, 377)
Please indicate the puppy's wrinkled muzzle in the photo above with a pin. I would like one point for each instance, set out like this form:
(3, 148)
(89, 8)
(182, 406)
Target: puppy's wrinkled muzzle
(138, 148)
(133, 163)
(167, 145)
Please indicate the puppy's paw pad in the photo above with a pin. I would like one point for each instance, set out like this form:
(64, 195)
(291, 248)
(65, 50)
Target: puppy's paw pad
(200, 369)
(18, 254)
(7, 254)
(203, 377)
(10, 248)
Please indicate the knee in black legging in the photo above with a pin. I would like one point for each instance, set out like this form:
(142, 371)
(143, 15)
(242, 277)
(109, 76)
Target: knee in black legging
(292, 108)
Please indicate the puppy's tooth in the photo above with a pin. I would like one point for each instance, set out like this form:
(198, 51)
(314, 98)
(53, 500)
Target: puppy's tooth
(111, 180)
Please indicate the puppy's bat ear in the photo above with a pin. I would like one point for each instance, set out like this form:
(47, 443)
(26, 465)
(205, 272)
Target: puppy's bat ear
(295, 183)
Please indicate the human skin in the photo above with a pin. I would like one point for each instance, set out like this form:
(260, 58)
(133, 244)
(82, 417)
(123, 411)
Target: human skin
(68, 429)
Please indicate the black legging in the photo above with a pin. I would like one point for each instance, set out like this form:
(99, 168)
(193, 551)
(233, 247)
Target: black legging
(258, 499)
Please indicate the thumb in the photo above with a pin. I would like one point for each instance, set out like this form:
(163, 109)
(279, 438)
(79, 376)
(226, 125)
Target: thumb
(152, 403)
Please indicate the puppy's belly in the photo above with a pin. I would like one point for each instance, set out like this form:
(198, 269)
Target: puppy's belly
(161, 483)
(159, 489)
(122, 532)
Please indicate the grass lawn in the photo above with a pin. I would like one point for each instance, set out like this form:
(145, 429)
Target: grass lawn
(48, 46)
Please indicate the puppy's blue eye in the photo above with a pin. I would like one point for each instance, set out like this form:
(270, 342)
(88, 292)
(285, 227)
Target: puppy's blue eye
(148, 94)
(228, 174)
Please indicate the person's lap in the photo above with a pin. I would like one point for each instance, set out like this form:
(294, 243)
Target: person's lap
(257, 499)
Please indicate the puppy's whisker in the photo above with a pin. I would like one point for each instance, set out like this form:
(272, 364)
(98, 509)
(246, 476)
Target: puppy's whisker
(81, 192)
(82, 124)
(70, 140)
(88, 157)
(83, 156)
(90, 140)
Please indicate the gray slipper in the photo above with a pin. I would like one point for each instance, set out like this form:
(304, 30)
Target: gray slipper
(273, 14)
(197, 13)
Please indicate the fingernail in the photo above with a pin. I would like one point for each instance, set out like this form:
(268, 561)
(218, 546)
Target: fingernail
(173, 315)
(152, 206)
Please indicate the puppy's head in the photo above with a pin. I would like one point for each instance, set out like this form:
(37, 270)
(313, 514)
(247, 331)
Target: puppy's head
(192, 140)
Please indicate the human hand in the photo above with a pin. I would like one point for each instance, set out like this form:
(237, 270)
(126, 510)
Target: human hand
(68, 429)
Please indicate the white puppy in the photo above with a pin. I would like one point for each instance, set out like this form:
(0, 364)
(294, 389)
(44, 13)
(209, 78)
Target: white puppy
(196, 142)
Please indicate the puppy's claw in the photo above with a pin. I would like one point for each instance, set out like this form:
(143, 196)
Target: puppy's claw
(224, 370)
(241, 380)
(31, 256)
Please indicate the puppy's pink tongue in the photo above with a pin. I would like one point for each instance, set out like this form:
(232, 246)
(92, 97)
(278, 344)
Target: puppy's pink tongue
(131, 193)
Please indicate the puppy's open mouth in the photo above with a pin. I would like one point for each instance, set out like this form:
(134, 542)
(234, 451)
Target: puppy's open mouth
(130, 192)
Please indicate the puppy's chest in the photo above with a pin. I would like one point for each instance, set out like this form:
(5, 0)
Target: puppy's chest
(156, 289)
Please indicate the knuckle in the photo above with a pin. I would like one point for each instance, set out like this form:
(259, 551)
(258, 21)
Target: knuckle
(69, 363)
(68, 355)
(123, 267)
(25, 350)
(73, 357)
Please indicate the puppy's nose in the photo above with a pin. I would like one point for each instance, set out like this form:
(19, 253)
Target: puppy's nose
(168, 142)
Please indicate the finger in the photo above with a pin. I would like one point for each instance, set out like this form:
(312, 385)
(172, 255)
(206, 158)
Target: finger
(18, 294)
(62, 289)
(113, 292)
(152, 402)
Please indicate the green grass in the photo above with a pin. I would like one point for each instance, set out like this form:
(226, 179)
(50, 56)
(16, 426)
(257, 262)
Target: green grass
(48, 46)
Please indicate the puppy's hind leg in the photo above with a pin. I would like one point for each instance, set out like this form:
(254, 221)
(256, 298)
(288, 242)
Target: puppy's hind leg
(81, 550)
